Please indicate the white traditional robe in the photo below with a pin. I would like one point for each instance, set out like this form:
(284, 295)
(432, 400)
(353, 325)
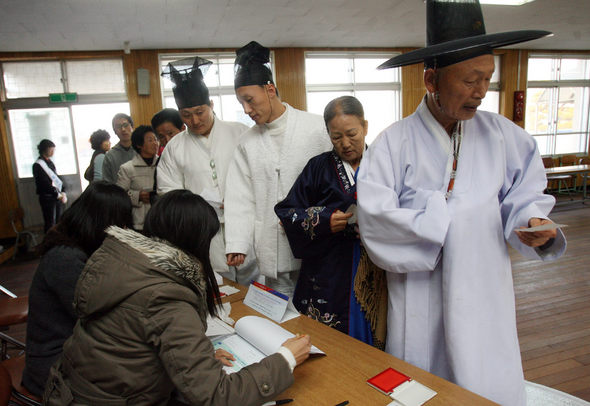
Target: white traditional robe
(190, 162)
(451, 297)
(260, 177)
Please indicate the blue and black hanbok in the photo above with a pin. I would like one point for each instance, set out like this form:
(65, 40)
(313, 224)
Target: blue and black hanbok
(325, 289)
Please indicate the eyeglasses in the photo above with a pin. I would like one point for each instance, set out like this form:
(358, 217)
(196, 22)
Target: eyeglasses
(121, 126)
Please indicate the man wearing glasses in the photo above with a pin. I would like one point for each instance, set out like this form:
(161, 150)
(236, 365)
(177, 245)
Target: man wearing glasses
(120, 153)
(198, 157)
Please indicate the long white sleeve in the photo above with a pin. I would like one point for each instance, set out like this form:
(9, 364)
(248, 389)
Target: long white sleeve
(397, 239)
(169, 175)
(240, 207)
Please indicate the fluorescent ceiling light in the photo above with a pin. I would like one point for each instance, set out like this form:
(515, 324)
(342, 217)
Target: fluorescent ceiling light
(505, 2)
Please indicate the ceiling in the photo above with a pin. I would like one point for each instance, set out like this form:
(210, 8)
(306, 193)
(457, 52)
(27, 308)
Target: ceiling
(77, 25)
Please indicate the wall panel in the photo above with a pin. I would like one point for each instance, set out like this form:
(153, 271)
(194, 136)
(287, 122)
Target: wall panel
(290, 76)
(143, 107)
(413, 89)
(9, 198)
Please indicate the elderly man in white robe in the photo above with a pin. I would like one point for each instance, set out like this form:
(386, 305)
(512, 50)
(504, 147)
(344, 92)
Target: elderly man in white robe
(268, 160)
(197, 158)
(439, 194)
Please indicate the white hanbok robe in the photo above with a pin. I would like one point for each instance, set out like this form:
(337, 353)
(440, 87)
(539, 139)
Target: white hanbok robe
(192, 162)
(259, 178)
(451, 296)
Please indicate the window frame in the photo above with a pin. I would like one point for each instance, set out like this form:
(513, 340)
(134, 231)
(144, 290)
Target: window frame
(555, 85)
(354, 86)
(217, 91)
(42, 102)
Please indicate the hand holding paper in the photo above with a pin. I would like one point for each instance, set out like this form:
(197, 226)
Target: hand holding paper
(538, 233)
(300, 345)
(339, 220)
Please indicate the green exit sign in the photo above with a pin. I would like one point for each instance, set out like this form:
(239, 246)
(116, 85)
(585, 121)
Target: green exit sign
(63, 97)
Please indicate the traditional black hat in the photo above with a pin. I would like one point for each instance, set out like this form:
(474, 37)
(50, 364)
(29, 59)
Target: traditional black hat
(189, 87)
(455, 31)
(252, 65)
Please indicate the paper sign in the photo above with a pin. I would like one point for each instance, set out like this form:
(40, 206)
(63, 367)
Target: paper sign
(544, 227)
(269, 302)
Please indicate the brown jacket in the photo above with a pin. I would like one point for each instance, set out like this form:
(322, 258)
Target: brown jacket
(141, 333)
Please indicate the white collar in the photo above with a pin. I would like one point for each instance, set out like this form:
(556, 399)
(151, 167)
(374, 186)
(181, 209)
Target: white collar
(434, 126)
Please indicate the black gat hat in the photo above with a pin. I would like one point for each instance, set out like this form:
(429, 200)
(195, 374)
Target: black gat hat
(252, 65)
(189, 86)
(455, 32)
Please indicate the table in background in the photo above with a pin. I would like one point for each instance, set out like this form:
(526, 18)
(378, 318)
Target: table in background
(341, 374)
(571, 170)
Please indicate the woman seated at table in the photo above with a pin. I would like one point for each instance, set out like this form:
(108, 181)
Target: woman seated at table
(136, 177)
(338, 285)
(143, 302)
(64, 250)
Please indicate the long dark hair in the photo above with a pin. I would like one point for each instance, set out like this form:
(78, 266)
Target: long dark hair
(187, 221)
(101, 205)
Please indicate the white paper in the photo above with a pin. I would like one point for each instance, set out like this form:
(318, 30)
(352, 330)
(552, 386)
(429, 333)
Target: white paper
(228, 290)
(216, 327)
(220, 325)
(544, 227)
(351, 209)
(411, 393)
(290, 313)
(255, 338)
(218, 278)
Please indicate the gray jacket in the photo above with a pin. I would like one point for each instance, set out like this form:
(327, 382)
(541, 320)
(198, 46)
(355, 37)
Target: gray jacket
(141, 334)
(113, 160)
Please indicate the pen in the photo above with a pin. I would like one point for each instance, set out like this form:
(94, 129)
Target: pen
(343, 403)
(278, 402)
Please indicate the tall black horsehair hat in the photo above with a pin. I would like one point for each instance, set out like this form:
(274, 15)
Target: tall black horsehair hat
(455, 32)
(252, 65)
(189, 86)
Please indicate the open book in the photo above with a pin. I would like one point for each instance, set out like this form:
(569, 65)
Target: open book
(255, 338)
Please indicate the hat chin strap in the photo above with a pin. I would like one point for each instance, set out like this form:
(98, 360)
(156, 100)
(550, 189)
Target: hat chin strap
(437, 101)
(268, 97)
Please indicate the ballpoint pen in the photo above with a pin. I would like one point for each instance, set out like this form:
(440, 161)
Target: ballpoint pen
(278, 402)
(343, 403)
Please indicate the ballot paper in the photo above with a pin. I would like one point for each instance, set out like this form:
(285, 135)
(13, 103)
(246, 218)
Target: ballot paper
(220, 325)
(255, 338)
(544, 227)
(351, 209)
(227, 290)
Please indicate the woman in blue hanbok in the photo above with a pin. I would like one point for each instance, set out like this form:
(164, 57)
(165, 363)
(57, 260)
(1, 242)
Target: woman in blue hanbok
(338, 285)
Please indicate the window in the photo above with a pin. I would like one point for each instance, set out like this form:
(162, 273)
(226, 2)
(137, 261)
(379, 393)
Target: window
(492, 100)
(220, 81)
(557, 103)
(100, 86)
(329, 75)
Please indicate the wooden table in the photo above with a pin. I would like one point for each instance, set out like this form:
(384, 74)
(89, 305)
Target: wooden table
(341, 374)
(571, 170)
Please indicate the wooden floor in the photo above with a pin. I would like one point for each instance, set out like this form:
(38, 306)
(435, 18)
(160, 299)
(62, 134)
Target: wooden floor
(553, 309)
(553, 306)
